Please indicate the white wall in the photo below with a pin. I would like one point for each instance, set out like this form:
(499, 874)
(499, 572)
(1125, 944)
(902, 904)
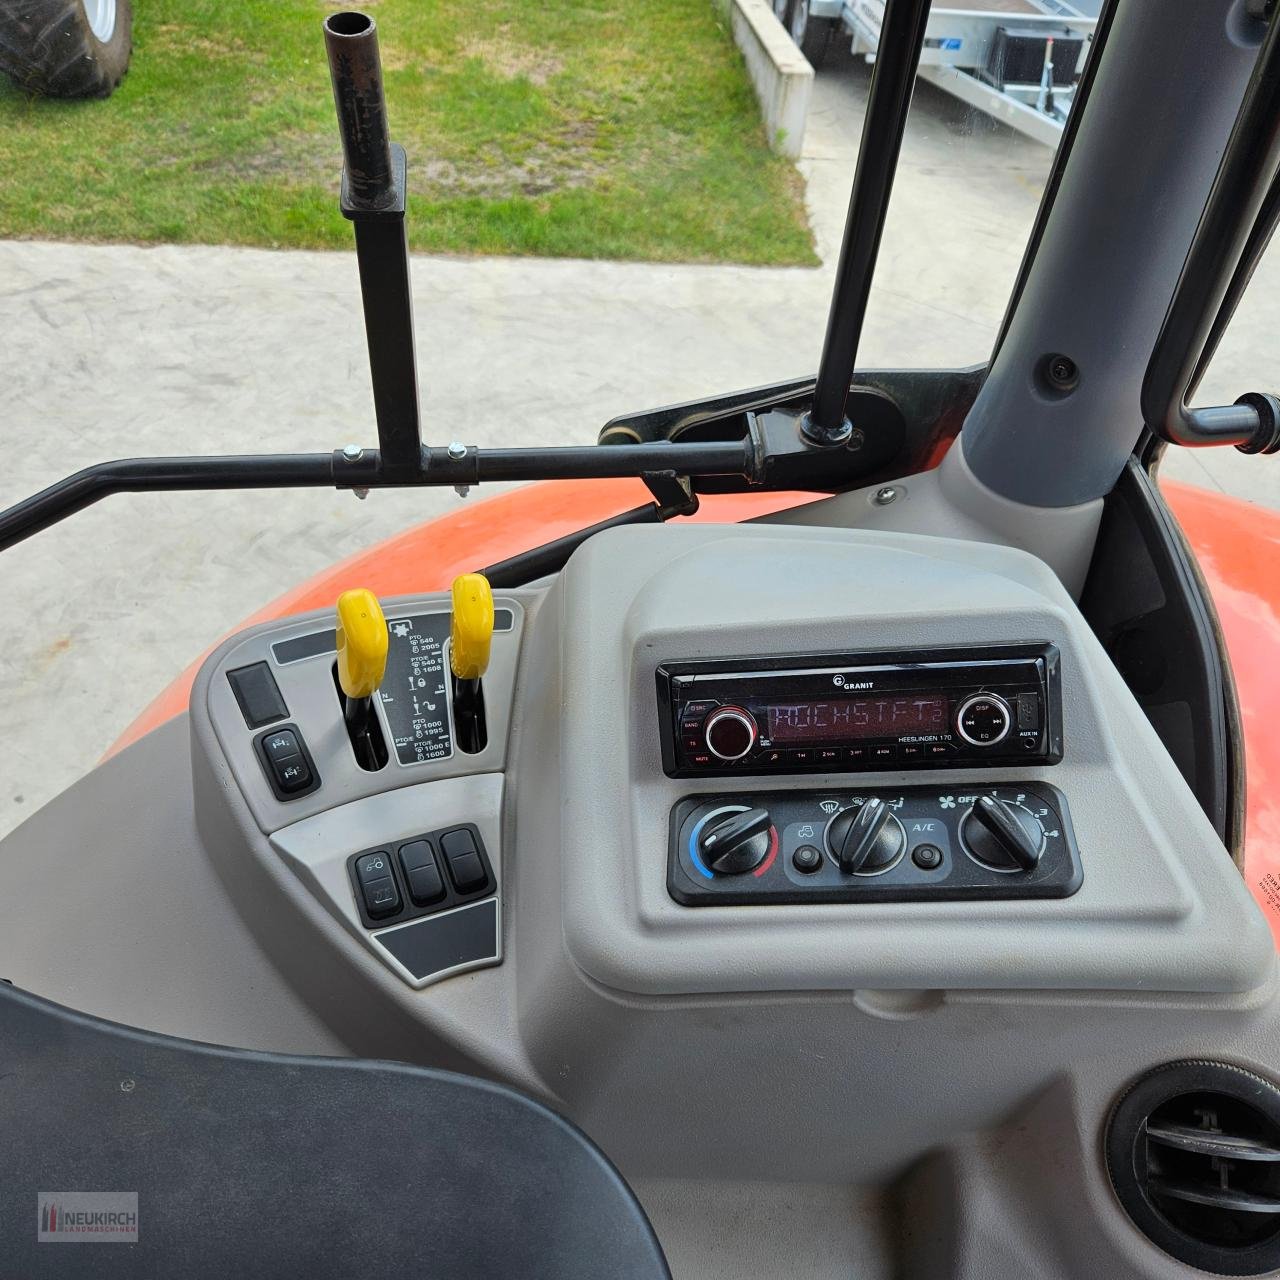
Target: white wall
(781, 74)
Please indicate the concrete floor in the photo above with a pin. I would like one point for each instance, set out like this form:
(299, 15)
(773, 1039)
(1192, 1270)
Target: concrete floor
(117, 351)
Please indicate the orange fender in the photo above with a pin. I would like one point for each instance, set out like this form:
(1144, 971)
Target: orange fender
(1237, 545)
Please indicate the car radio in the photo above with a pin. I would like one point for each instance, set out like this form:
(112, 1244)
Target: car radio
(846, 713)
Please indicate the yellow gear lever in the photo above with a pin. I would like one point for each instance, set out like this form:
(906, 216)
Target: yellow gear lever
(472, 630)
(362, 661)
(470, 637)
(362, 643)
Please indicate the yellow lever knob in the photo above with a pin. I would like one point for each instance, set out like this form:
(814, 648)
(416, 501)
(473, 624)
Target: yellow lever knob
(472, 629)
(362, 643)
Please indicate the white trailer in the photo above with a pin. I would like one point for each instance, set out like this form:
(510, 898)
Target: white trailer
(1017, 60)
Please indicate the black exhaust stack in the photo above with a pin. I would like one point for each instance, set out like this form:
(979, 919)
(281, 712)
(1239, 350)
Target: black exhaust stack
(373, 199)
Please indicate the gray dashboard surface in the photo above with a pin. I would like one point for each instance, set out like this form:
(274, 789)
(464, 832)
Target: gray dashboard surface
(114, 907)
(1161, 906)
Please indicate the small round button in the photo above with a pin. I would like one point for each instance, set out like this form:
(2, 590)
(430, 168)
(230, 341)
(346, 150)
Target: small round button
(928, 857)
(983, 719)
(807, 858)
(730, 733)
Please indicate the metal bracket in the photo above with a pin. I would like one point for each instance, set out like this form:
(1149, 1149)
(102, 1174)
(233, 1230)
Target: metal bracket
(673, 493)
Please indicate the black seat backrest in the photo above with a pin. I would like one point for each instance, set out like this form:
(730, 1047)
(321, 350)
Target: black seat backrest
(256, 1164)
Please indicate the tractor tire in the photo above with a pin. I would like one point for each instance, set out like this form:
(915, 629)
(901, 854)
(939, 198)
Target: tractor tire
(812, 36)
(66, 48)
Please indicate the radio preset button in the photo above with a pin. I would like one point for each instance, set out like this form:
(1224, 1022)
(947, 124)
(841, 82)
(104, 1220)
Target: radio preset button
(983, 719)
(730, 733)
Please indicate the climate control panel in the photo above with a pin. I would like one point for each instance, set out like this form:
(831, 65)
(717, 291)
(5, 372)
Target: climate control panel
(1010, 840)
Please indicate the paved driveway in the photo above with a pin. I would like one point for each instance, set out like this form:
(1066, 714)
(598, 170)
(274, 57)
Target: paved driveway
(115, 351)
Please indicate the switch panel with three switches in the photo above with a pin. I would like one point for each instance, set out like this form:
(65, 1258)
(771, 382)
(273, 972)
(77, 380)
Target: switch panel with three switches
(421, 875)
(902, 844)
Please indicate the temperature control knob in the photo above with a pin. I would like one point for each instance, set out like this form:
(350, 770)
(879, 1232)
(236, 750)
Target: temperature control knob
(866, 839)
(1002, 836)
(737, 843)
(730, 732)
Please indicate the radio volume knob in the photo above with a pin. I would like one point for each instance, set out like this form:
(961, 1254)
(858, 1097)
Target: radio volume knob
(730, 733)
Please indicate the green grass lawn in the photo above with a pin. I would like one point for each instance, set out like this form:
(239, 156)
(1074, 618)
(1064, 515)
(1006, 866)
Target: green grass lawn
(585, 128)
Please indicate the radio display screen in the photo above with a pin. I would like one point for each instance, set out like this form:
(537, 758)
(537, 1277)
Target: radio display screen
(839, 719)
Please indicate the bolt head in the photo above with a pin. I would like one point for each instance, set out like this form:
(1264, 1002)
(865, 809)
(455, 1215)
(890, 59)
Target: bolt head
(456, 450)
(352, 452)
(882, 497)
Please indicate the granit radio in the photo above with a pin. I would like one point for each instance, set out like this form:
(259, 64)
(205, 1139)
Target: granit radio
(850, 713)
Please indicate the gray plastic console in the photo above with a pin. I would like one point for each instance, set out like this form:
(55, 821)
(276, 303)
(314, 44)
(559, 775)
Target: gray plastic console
(427, 784)
(1161, 907)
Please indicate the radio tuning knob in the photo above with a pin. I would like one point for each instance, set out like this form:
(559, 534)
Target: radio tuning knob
(730, 733)
(1004, 837)
(737, 843)
(866, 839)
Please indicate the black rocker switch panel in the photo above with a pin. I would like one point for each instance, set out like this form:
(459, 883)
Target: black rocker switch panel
(421, 876)
(287, 762)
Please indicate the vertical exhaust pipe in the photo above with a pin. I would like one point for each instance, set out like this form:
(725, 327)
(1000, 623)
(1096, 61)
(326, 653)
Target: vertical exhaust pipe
(373, 199)
(355, 66)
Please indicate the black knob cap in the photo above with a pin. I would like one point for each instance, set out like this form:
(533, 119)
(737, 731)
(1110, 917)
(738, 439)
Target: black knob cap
(866, 839)
(730, 733)
(736, 843)
(1002, 836)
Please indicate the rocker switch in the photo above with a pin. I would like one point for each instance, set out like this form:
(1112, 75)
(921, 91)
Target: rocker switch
(465, 868)
(381, 897)
(418, 862)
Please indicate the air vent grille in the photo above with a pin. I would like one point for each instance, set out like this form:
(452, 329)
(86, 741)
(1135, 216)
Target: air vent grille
(1194, 1154)
(1213, 1169)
